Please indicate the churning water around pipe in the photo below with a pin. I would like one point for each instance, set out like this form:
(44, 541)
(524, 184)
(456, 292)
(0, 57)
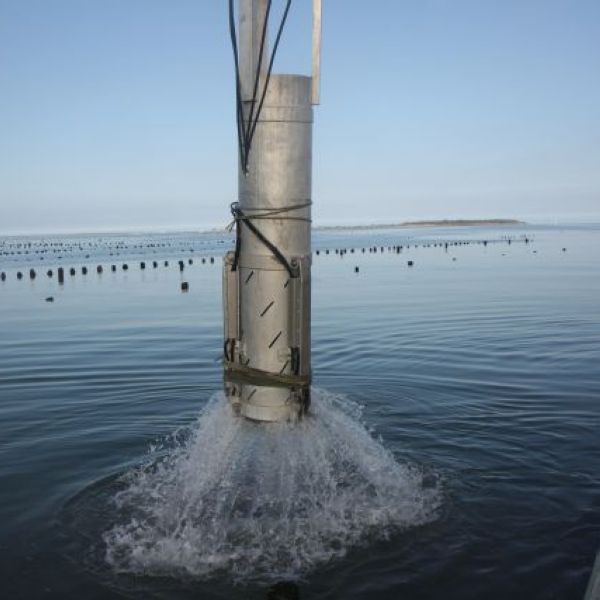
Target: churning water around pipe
(264, 501)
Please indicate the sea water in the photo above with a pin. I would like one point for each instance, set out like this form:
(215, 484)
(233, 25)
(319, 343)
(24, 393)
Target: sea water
(453, 443)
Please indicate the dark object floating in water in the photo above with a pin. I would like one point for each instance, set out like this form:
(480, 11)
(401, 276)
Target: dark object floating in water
(181, 265)
(113, 268)
(154, 264)
(410, 263)
(19, 275)
(50, 299)
(166, 263)
(125, 267)
(212, 260)
(61, 275)
(49, 273)
(564, 249)
(99, 269)
(284, 590)
(84, 270)
(31, 273)
(72, 271)
(185, 286)
(142, 265)
(3, 276)
(454, 258)
(190, 262)
(356, 269)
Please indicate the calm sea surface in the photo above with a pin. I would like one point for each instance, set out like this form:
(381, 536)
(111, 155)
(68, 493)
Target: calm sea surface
(477, 368)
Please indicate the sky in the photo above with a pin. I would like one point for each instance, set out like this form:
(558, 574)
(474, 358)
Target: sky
(120, 114)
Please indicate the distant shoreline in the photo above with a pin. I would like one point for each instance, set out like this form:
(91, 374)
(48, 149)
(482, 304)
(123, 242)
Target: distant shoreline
(220, 230)
(432, 223)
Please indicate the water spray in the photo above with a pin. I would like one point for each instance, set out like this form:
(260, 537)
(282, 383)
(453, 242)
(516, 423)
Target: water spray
(266, 279)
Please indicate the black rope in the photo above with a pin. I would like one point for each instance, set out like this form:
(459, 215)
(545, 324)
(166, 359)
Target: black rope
(267, 79)
(240, 217)
(246, 133)
(258, 70)
(238, 93)
(279, 213)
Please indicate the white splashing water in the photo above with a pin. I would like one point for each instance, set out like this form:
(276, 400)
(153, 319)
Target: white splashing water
(265, 501)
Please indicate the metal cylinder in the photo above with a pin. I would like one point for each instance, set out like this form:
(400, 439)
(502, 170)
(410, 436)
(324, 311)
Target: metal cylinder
(274, 306)
(280, 167)
(267, 280)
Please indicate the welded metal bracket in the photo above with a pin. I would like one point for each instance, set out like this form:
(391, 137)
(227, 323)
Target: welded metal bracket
(231, 298)
(299, 316)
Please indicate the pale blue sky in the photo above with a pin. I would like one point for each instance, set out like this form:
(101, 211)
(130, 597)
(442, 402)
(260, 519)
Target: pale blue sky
(120, 113)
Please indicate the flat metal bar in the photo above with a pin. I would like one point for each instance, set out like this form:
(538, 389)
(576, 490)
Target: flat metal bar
(251, 19)
(316, 52)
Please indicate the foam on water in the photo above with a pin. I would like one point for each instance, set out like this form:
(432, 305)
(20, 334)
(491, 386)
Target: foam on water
(264, 500)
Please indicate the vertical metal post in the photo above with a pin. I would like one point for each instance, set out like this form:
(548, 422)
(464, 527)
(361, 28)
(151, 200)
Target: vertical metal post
(252, 17)
(316, 52)
(267, 282)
